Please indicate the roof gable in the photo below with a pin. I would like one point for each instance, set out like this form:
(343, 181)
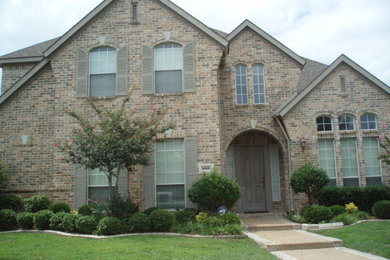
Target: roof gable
(268, 37)
(293, 101)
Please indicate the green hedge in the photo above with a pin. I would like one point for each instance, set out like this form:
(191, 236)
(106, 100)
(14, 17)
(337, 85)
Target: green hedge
(363, 198)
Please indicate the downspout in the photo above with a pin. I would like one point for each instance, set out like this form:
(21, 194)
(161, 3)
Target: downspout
(284, 130)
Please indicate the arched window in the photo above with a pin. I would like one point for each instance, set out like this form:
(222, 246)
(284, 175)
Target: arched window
(241, 85)
(368, 122)
(324, 124)
(258, 84)
(346, 122)
(102, 72)
(168, 68)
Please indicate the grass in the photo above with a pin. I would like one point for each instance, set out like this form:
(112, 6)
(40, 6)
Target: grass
(46, 246)
(369, 237)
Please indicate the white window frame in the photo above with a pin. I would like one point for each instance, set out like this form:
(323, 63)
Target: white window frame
(353, 122)
(90, 63)
(380, 161)
(241, 84)
(368, 122)
(357, 161)
(324, 124)
(259, 85)
(334, 157)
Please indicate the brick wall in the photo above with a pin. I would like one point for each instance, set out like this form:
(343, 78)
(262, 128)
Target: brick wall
(12, 72)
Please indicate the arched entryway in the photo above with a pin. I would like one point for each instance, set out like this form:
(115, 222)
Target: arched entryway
(253, 158)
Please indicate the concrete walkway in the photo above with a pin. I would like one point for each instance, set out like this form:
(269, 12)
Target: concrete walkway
(287, 240)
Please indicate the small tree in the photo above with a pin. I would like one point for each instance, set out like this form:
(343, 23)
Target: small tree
(3, 175)
(116, 140)
(309, 179)
(385, 144)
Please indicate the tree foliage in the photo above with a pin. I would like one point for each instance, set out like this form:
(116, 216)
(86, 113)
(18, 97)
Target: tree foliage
(3, 174)
(385, 155)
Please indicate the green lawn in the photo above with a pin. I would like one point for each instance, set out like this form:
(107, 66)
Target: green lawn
(46, 246)
(370, 237)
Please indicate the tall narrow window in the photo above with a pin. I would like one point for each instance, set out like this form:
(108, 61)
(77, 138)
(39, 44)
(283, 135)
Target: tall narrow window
(346, 122)
(368, 122)
(275, 173)
(241, 85)
(349, 159)
(134, 11)
(372, 163)
(258, 84)
(168, 66)
(327, 159)
(98, 188)
(324, 124)
(102, 71)
(343, 84)
(170, 174)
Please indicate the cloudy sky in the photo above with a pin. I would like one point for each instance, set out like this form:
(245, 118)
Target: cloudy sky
(320, 30)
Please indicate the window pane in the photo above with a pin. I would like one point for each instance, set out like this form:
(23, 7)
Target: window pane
(103, 85)
(241, 85)
(346, 122)
(351, 182)
(258, 84)
(168, 56)
(98, 193)
(371, 154)
(170, 196)
(170, 162)
(103, 61)
(349, 158)
(372, 181)
(324, 123)
(327, 159)
(368, 122)
(169, 81)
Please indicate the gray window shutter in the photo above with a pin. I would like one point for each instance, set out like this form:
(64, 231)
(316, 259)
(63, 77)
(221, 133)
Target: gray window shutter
(122, 70)
(123, 183)
(147, 70)
(191, 159)
(149, 183)
(82, 74)
(189, 68)
(80, 186)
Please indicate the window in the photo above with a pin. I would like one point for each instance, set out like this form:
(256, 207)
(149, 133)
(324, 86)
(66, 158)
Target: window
(241, 85)
(98, 188)
(349, 160)
(346, 122)
(258, 84)
(102, 71)
(368, 122)
(372, 163)
(168, 64)
(134, 11)
(343, 84)
(170, 174)
(324, 124)
(327, 159)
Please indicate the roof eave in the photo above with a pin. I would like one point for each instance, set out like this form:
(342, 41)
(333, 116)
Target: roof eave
(21, 60)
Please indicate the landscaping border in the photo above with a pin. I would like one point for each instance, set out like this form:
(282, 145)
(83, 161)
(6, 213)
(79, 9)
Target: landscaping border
(59, 233)
(337, 224)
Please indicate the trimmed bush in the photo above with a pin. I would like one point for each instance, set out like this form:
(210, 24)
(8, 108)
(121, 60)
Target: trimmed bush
(8, 220)
(362, 215)
(109, 226)
(42, 219)
(337, 210)
(149, 211)
(25, 220)
(186, 215)
(161, 220)
(214, 190)
(138, 223)
(121, 207)
(60, 207)
(85, 210)
(37, 203)
(69, 223)
(315, 214)
(57, 221)
(212, 222)
(201, 217)
(381, 209)
(346, 218)
(230, 219)
(11, 201)
(86, 224)
(226, 230)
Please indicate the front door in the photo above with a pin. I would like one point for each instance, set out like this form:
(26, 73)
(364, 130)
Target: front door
(250, 174)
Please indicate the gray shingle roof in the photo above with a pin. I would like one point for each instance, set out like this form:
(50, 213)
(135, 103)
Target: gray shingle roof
(310, 71)
(32, 51)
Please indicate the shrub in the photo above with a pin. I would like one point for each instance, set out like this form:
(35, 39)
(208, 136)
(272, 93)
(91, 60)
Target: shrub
(298, 219)
(42, 219)
(161, 220)
(185, 215)
(57, 221)
(86, 224)
(229, 219)
(3, 174)
(69, 223)
(149, 211)
(11, 201)
(109, 226)
(25, 220)
(381, 209)
(37, 203)
(189, 228)
(226, 230)
(351, 208)
(214, 190)
(201, 217)
(138, 223)
(316, 214)
(121, 207)
(212, 222)
(310, 180)
(8, 219)
(60, 207)
(337, 210)
(85, 210)
(362, 215)
(346, 218)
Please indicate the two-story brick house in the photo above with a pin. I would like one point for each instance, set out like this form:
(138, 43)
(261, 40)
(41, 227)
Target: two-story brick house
(243, 103)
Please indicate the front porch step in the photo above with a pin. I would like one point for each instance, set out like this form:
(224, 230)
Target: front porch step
(273, 227)
(268, 223)
(292, 240)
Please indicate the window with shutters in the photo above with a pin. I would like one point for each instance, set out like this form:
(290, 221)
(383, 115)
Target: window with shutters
(168, 68)
(98, 188)
(368, 122)
(170, 172)
(258, 84)
(327, 159)
(324, 124)
(102, 72)
(349, 159)
(372, 162)
(346, 123)
(241, 85)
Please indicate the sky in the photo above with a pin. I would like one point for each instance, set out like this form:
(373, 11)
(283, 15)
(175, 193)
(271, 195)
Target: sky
(315, 29)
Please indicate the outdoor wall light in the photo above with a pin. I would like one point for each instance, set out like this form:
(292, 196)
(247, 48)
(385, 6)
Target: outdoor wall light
(25, 139)
(303, 143)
